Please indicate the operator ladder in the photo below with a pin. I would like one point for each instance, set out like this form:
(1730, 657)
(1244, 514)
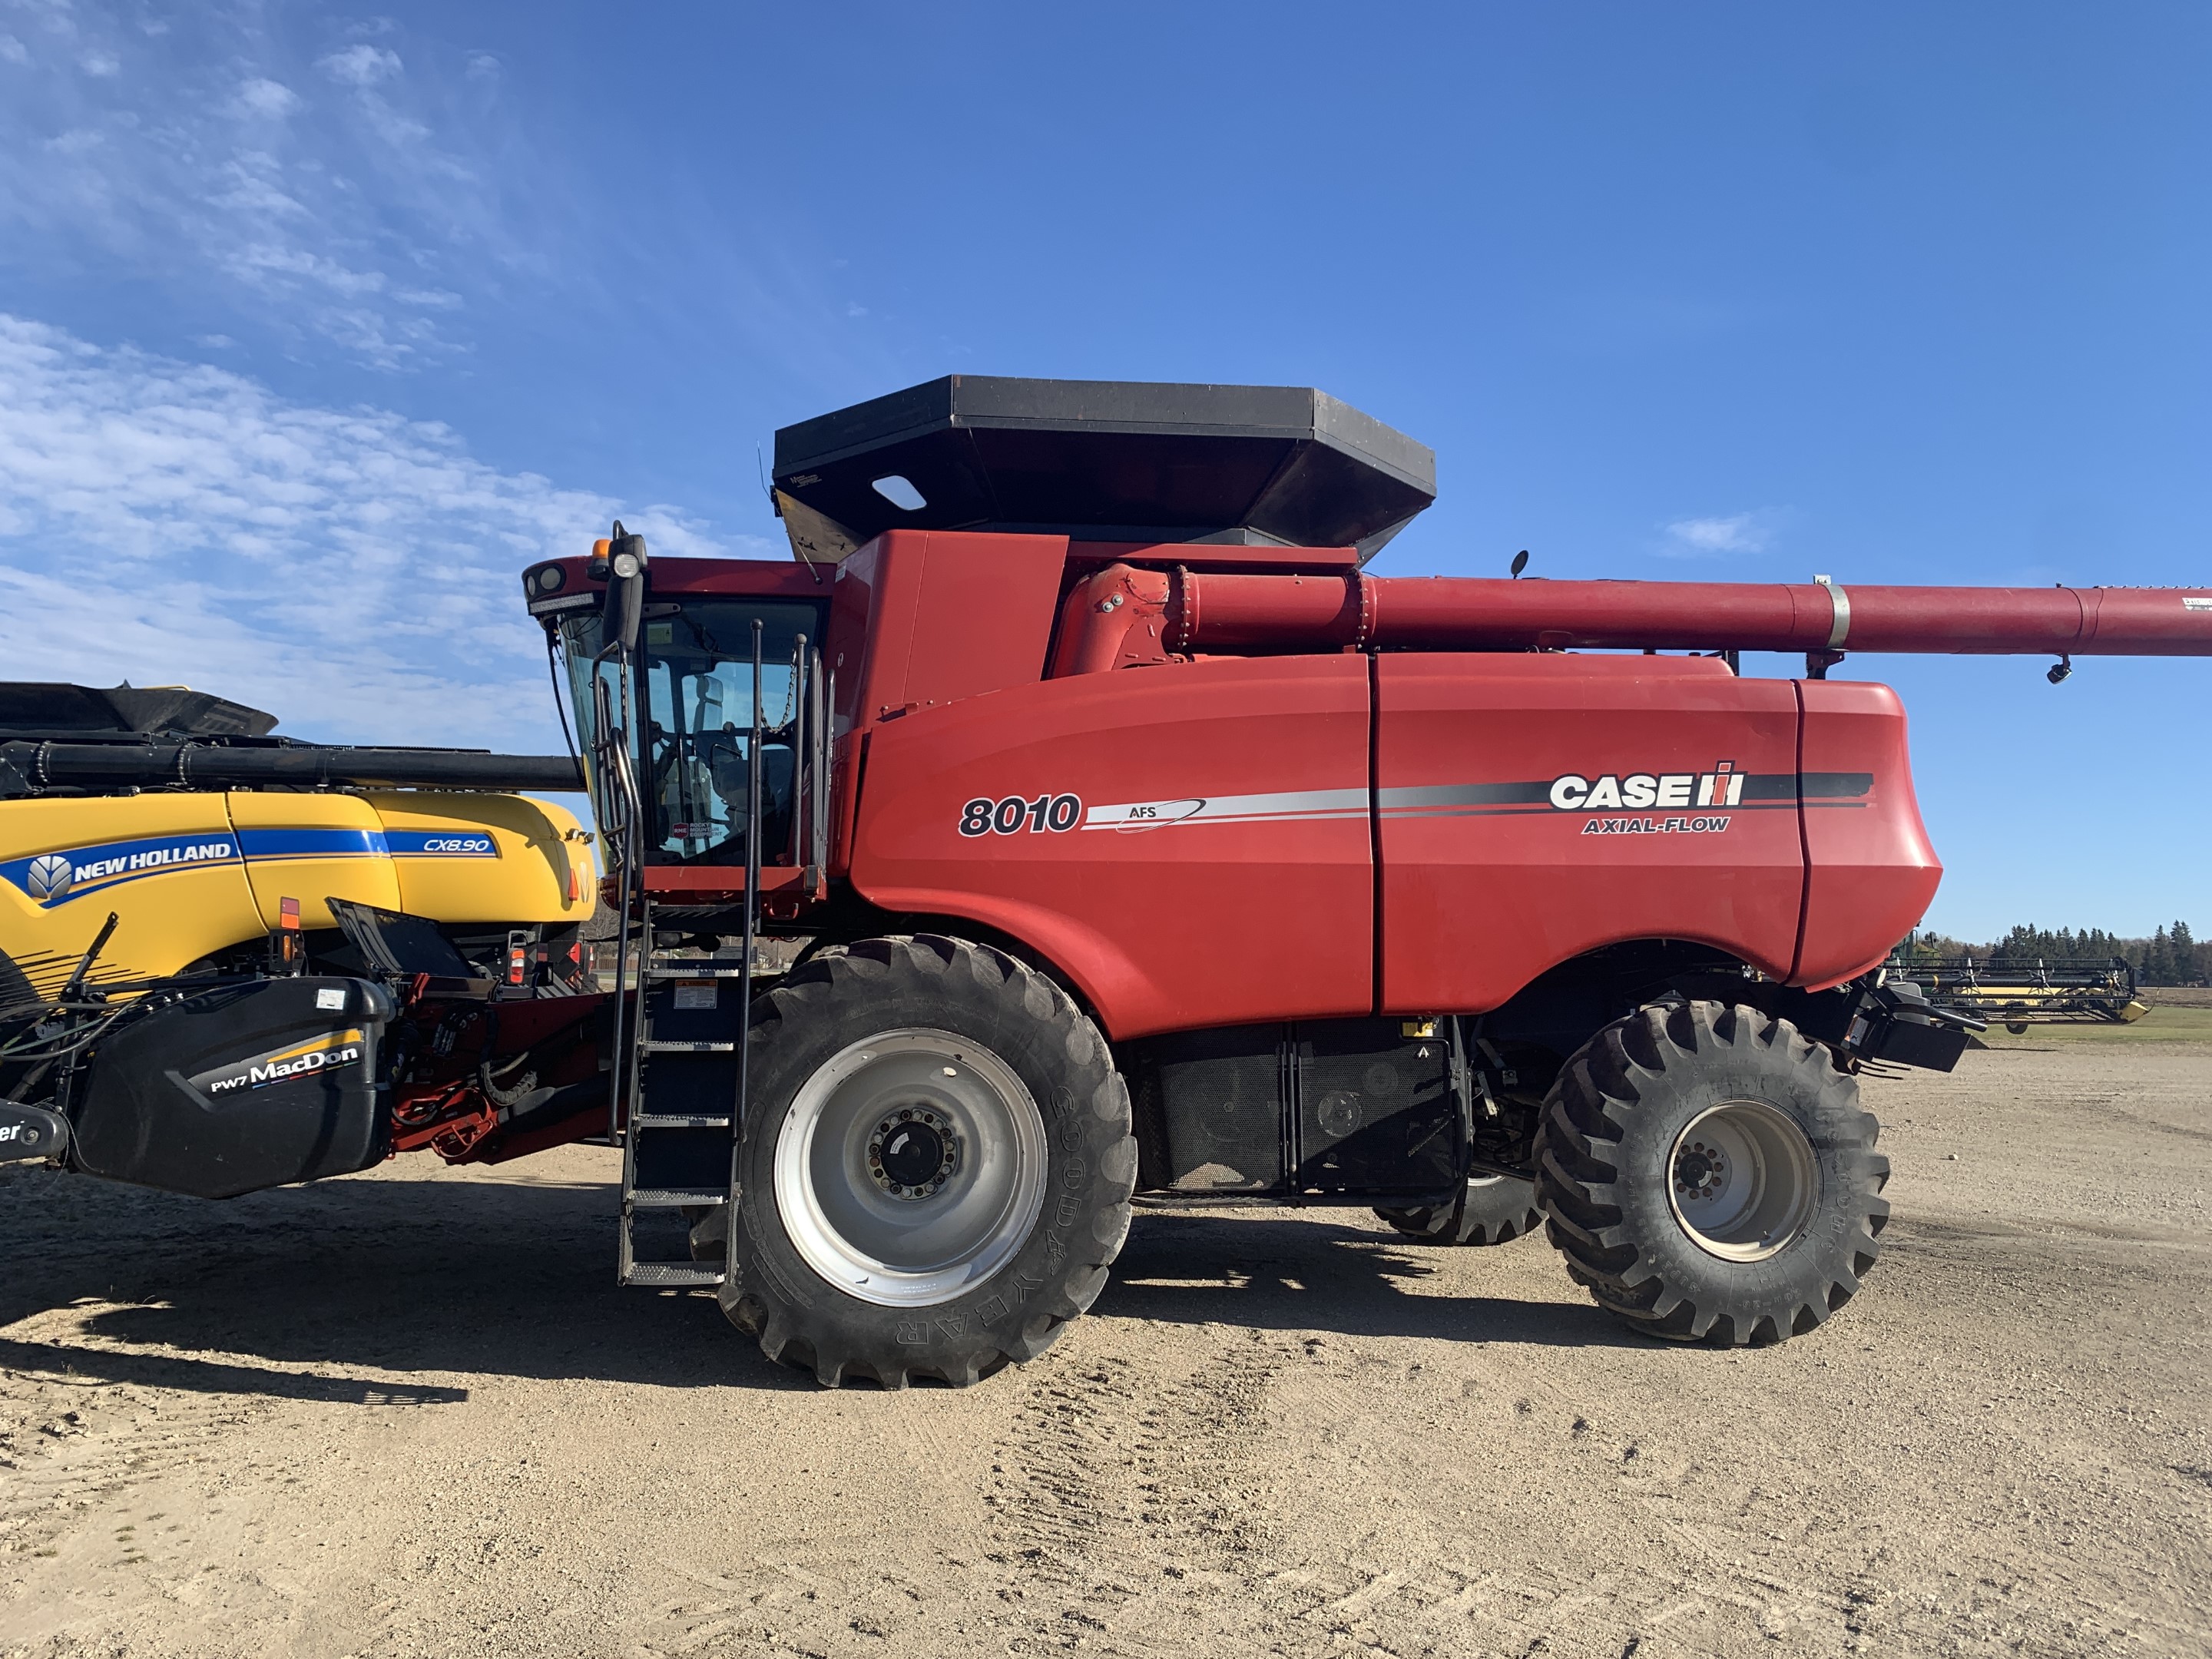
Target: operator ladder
(675, 1151)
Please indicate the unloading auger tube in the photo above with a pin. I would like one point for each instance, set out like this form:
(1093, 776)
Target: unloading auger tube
(1240, 613)
(102, 766)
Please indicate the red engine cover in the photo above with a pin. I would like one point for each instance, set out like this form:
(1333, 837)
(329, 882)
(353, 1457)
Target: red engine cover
(1533, 807)
(1872, 871)
(1194, 844)
(1201, 855)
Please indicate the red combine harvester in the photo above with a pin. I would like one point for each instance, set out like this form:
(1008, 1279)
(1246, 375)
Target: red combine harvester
(1117, 838)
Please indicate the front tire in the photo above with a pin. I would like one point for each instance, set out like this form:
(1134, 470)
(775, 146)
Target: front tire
(1491, 1210)
(935, 1166)
(1710, 1176)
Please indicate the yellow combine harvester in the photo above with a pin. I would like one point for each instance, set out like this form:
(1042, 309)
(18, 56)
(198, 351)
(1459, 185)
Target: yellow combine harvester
(181, 815)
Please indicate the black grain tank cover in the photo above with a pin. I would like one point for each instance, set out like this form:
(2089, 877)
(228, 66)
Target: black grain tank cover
(240, 1087)
(1101, 460)
(35, 710)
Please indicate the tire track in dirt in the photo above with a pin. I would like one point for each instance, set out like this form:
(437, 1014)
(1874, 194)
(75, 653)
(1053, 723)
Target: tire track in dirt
(1119, 1497)
(74, 1444)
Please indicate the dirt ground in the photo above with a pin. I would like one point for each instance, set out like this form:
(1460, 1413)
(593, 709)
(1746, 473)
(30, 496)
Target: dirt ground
(407, 1413)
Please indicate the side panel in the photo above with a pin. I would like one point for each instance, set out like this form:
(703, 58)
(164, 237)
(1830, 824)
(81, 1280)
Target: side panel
(465, 858)
(947, 616)
(167, 865)
(1874, 873)
(918, 619)
(311, 847)
(1214, 866)
(1533, 807)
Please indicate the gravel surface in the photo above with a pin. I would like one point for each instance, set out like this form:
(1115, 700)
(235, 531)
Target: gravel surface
(406, 1414)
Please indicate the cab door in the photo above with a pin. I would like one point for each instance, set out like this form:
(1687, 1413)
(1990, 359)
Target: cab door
(1531, 807)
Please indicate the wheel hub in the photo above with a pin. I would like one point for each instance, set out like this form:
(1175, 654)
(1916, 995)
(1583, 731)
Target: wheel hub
(910, 1166)
(1742, 1180)
(1700, 1172)
(913, 1153)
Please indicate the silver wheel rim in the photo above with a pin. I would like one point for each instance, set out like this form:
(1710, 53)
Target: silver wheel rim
(910, 1167)
(1742, 1180)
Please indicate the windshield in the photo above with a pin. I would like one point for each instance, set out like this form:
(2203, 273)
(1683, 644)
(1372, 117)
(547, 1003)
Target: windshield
(693, 771)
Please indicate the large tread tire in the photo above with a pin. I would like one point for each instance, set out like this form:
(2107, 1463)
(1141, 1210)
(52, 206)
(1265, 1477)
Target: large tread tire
(1604, 1162)
(1491, 1210)
(843, 997)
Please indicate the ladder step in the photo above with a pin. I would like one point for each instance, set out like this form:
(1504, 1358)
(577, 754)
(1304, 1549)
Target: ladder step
(673, 1272)
(679, 1121)
(652, 1046)
(675, 1198)
(695, 973)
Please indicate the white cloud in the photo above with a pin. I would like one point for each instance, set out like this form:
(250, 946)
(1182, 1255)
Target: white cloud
(351, 571)
(1718, 537)
(269, 100)
(12, 51)
(361, 65)
(204, 168)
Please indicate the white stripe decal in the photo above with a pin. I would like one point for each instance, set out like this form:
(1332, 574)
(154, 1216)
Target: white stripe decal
(1292, 805)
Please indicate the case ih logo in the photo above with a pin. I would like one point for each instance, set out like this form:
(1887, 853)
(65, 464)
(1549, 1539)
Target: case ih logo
(1638, 791)
(281, 1065)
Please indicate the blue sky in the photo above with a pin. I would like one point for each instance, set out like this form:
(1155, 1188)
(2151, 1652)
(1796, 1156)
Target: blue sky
(316, 324)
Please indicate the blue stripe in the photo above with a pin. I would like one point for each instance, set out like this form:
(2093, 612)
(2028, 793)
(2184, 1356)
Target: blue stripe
(313, 844)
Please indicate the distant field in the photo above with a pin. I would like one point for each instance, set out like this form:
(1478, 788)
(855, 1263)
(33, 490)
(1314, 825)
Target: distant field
(2177, 996)
(2167, 1023)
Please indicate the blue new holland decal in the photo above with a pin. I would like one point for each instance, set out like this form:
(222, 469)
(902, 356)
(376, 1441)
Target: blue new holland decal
(56, 878)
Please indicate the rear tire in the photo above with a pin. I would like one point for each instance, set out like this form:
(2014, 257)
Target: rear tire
(1491, 1210)
(851, 1258)
(1710, 1176)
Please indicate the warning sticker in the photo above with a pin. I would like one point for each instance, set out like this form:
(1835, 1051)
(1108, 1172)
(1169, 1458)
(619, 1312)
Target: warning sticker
(692, 994)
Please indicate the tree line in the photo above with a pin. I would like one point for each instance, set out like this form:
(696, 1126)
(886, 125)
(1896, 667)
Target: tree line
(2171, 956)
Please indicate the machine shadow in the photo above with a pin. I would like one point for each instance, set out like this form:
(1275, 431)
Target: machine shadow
(1277, 1271)
(283, 1293)
(454, 1277)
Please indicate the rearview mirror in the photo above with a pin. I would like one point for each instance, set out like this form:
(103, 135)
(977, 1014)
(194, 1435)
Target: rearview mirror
(625, 603)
